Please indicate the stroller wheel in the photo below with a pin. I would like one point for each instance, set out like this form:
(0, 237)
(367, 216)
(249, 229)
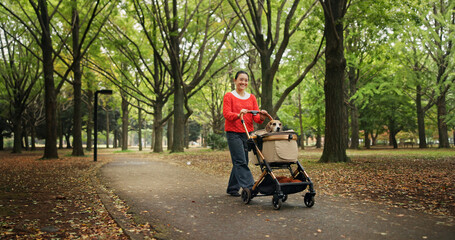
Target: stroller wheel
(276, 201)
(285, 197)
(246, 195)
(308, 199)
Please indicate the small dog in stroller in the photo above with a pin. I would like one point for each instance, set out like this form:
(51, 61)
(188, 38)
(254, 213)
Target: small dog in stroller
(273, 126)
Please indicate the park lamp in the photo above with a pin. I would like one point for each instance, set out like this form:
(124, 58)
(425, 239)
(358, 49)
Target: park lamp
(95, 120)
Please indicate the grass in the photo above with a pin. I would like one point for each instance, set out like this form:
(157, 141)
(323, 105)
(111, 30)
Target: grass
(125, 151)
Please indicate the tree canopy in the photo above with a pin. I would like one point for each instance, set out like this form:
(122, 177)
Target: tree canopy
(340, 72)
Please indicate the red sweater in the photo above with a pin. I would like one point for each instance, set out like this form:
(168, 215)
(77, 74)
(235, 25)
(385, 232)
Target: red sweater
(231, 108)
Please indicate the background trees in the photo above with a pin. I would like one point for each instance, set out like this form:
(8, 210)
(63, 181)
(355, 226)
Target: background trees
(339, 71)
(19, 73)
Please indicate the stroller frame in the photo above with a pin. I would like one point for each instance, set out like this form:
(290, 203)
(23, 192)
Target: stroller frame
(268, 184)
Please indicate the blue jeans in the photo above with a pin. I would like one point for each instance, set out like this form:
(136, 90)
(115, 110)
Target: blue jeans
(241, 176)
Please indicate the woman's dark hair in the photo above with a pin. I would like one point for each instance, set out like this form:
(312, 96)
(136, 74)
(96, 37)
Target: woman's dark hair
(240, 72)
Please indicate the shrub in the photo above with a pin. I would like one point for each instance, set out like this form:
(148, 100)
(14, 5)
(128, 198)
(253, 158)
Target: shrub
(217, 141)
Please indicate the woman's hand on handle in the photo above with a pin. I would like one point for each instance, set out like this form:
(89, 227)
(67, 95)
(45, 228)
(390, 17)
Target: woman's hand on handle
(243, 112)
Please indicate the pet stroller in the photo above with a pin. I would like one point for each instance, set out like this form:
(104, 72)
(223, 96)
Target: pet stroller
(272, 151)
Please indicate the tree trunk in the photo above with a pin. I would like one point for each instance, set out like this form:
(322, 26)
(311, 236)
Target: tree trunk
(179, 118)
(267, 86)
(442, 126)
(393, 131)
(367, 140)
(145, 138)
(420, 118)
(302, 135)
(114, 145)
(119, 136)
(68, 140)
(33, 136)
(158, 128)
(77, 85)
(374, 137)
(60, 134)
(89, 119)
(107, 127)
(50, 94)
(124, 123)
(139, 130)
(17, 130)
(335, 117)
(170, 132)
(204, 136)
(152, 138)
(353, 109)
(25, 135)
(394, 139)
(179, 94)
(78, 149)
(453, 139)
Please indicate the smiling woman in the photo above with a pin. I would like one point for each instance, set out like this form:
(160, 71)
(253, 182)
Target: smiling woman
(236, 103)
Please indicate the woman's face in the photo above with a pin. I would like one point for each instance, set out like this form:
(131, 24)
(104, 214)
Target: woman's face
(241, 83)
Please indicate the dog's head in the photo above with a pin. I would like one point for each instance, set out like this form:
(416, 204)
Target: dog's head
(273, 126)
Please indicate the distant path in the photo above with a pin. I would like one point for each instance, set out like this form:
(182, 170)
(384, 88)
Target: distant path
(185, 204)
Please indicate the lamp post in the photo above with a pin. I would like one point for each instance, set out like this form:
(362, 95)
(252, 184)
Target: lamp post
(95, 120)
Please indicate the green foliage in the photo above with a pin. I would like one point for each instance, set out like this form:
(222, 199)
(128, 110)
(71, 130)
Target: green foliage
(392, 46)
(217, 141)
(195, 130)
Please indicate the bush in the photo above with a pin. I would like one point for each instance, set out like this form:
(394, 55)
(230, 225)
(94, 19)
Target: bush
(217, 141)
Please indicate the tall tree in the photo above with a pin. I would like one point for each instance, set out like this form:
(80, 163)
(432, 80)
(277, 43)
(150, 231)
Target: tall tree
(35, 117)
(440, 22)
(189, 55)
(151, 87)
(418, 77)
(366, 35)
(50, 92)
(83, 35)
(47, 31)
(42, 33)
(88, 100)
(19, 74)
(270, 38)
(334, 85)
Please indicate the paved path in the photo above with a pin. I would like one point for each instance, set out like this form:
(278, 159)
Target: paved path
(185, 204)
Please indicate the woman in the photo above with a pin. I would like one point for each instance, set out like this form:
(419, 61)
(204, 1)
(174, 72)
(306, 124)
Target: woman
(236, 103)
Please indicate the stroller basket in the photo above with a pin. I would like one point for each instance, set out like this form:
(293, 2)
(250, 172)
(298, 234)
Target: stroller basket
(267, 186)
(278, 147)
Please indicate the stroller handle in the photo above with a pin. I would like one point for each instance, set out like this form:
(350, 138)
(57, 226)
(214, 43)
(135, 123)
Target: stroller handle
(255, 112)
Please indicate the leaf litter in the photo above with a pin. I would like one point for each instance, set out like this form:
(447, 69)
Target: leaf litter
(54, 199)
